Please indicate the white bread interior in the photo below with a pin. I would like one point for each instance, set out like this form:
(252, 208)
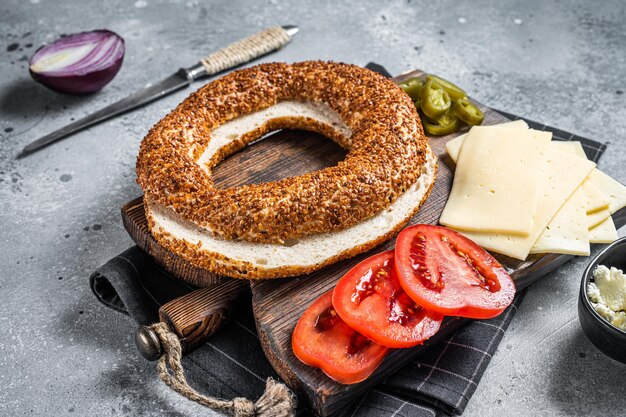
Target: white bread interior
(234, 129)
(307, 252)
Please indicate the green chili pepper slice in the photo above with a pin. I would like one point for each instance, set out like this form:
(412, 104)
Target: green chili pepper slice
(435, 100)
(444, 125)
(453, 90)
(467, 112)
(413, 87)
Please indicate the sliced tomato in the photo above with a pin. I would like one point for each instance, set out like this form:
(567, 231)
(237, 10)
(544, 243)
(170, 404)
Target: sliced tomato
(369, 299)
(321, 339)
(446, 272)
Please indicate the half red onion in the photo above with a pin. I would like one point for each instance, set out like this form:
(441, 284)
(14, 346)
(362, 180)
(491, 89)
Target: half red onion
(80, 63)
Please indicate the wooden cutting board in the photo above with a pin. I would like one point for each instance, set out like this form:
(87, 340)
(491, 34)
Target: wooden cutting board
(278, 304)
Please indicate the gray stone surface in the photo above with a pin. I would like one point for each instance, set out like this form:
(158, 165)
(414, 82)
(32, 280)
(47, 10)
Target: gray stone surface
(62, 353)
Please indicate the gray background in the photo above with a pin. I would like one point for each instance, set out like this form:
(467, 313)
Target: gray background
(62, 353)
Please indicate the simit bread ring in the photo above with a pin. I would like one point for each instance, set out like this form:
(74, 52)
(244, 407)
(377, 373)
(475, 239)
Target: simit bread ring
(299, 224)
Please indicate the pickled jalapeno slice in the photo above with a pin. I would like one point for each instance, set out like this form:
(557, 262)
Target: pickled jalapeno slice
(453, 90)
(435, 100)
(443, 125)
(413, 87)
(467, 112)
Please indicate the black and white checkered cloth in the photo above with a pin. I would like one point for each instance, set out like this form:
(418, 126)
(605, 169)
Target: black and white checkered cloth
(445, 376)
(232, 363)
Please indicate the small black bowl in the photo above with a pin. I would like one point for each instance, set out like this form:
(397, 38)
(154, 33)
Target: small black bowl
(606, 337)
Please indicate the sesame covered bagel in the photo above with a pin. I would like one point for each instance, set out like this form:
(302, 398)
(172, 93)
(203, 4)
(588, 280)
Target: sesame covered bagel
(362, 111)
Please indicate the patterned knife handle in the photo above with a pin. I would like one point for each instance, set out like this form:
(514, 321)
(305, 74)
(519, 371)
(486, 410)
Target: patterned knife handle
(242, 51)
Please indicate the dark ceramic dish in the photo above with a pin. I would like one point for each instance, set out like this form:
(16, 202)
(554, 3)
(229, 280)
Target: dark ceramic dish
(606, 337)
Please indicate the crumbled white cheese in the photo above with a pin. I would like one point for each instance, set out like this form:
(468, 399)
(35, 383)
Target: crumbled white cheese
(612, 286)
(619, 320)
(608, 295)
(594, 293)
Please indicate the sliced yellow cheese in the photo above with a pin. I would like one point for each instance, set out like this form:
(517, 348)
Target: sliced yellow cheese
(597, 217)
(561, 176)
(567, 232)
(564, 233)
(541, 135)
(497, 180)
(454, 151)
(453, 147)
(573, 147)
(613, 190)
(595, 200)
(605, 232)
(599, 183)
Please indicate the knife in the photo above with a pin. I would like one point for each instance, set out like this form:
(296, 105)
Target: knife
(233, 55)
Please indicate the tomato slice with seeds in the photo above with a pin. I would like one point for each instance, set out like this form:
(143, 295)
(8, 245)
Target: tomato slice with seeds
(321, 339)
(369, 299)
(446, 272)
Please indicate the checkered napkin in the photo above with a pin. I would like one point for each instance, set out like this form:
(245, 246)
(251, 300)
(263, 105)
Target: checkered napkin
(232, 364)
(445, 376)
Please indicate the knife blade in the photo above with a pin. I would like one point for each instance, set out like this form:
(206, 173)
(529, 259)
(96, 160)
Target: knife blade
(229, 57)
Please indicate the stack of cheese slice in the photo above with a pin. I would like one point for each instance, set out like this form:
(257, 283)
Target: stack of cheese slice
(517, 192)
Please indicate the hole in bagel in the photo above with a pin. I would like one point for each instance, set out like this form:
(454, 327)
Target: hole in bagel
(289, 138)
(280, 154)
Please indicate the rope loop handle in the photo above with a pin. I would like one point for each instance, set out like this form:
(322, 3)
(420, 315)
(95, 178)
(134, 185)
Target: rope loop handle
(246, 50)
(276, 401)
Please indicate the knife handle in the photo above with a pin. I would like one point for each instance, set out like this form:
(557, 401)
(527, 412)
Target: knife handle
(242, 51)
(193, 317)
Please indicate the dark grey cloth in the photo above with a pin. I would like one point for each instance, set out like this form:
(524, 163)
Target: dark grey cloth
(232, 362)
(441, 381)
(133, 284)
(447, 375)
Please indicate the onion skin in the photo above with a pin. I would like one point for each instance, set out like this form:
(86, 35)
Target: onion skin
(80, 77)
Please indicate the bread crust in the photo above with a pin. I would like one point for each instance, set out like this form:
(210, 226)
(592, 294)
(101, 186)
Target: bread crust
(386, 151)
